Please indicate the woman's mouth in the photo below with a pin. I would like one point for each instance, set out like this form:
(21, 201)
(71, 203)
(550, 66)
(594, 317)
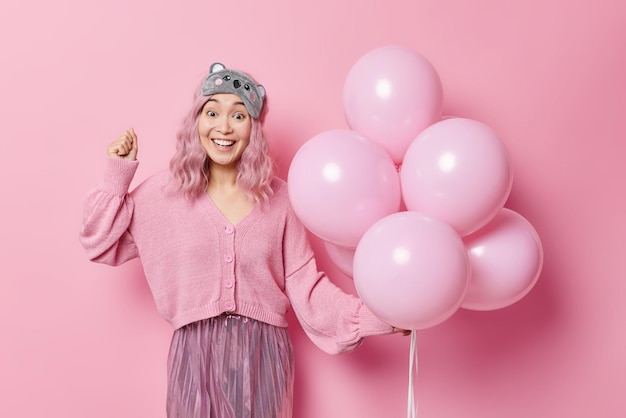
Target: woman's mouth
(223, 142)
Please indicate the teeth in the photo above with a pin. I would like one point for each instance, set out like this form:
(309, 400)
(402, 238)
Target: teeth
(223, 142)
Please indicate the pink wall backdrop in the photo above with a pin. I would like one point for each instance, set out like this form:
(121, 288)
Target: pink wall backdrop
(84, 340)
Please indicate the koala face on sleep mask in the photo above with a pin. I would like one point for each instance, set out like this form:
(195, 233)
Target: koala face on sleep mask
(225, 80)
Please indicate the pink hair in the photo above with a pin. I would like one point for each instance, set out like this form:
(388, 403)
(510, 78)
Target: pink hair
(189, 165)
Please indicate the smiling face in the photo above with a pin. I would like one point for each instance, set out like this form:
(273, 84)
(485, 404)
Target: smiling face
(224, 127)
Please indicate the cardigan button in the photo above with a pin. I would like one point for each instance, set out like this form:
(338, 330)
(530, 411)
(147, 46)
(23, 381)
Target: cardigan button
(228, 258)
(229, 229)
(230, 306)
(228, 284)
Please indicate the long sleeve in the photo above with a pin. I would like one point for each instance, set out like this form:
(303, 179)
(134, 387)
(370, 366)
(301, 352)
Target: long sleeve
(334, 320)
(107, 214)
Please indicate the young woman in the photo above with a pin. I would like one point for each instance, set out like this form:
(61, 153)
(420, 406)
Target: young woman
(225, 257)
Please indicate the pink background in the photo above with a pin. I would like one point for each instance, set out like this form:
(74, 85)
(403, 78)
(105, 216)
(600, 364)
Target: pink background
(84, 340)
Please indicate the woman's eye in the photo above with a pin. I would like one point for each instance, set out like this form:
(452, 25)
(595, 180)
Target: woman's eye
(211, 113)
(239, 116)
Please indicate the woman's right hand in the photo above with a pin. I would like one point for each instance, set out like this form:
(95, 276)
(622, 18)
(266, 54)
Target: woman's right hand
(125, 147)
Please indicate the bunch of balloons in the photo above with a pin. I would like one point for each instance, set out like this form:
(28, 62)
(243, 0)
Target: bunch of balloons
(411, 204)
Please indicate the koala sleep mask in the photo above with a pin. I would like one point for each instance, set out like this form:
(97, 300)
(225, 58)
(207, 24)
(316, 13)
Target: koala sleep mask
(224, 80)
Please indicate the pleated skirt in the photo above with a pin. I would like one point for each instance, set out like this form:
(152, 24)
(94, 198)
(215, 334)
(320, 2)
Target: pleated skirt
(230, 367)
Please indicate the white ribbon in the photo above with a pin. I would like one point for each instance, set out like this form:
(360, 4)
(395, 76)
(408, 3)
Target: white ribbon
(412, 405)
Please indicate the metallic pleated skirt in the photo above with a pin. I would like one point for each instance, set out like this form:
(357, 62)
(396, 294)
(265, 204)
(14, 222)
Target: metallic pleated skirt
(230, 367)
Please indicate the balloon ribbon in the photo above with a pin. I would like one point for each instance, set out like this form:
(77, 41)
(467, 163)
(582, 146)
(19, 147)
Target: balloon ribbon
(412, 404)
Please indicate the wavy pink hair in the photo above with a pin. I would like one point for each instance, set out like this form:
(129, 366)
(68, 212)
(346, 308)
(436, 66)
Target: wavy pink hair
(189, 165)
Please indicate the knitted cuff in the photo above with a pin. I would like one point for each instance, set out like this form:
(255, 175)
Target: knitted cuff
(118, 174)
(370, 324)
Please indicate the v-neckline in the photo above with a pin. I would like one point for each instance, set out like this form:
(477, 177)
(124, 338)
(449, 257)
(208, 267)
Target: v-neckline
(241, 222)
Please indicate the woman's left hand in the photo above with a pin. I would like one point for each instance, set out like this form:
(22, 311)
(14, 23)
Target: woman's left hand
(404, 332)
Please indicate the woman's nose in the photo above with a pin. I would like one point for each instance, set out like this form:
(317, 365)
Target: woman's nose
(224, 125)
